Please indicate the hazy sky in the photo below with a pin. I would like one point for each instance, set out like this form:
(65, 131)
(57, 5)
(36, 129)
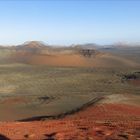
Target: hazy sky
(69, 21)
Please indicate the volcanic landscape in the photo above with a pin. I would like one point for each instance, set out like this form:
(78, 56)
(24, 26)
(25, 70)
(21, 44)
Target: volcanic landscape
(77, 92)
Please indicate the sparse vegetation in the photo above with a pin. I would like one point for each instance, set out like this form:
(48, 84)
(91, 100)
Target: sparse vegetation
(132, 76)
(45, 90)
(66, 88)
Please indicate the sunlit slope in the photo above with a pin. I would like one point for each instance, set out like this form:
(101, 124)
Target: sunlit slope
(75, 59)
(37, 53)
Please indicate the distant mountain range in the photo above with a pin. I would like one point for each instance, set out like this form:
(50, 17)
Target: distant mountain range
(35, 45)
(90, 54)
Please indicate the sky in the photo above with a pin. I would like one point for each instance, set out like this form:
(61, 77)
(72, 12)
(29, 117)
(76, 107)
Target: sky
(66, 22)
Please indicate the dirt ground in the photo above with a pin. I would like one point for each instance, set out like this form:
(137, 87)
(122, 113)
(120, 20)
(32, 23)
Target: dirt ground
(103, 121)
(78, 60)
(27, 76)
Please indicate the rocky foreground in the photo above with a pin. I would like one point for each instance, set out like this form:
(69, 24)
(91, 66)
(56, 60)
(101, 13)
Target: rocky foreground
(104, 121)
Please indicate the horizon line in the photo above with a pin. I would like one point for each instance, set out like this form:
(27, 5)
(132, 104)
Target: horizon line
(71, 44)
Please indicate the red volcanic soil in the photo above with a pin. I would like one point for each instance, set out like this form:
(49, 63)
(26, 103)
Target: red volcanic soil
(71, 59)
(52, 60)
(59, 60)
(135, 82)
(15, 100)
(97, 122)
